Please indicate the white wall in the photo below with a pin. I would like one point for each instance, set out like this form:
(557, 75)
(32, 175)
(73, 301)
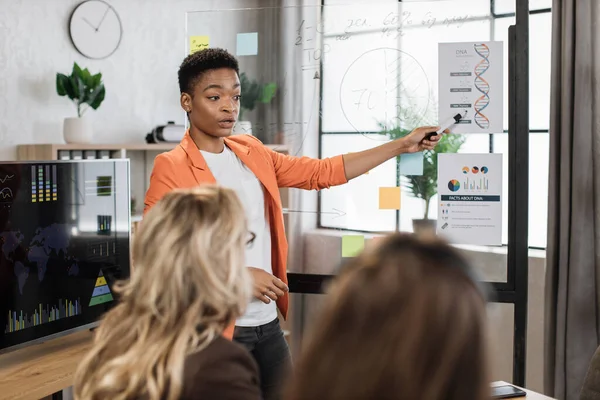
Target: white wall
(140, 77)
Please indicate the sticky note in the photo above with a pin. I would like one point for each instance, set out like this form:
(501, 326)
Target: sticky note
(198, 43)
(247, 44)
(411, 164)
(389, 198)
(352, 245)
(268, 92)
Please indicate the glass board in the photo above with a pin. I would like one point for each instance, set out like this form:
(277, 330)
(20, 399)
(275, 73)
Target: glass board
(337, 78)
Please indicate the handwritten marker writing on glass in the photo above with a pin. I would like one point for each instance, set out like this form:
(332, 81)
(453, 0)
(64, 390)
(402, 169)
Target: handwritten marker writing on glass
(448, 123)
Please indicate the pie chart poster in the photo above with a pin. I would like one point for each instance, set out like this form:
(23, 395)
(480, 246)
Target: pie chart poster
(470, 198)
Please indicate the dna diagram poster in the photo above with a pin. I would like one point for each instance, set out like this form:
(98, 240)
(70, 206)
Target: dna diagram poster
(471, 78)
(470, 198)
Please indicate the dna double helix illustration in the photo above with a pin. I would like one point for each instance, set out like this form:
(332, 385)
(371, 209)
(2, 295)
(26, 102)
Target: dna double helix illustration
(482, 86)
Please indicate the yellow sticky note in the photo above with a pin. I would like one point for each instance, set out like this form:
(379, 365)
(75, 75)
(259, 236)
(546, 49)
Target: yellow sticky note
(389, 198)
(352, 245)
(198, 43)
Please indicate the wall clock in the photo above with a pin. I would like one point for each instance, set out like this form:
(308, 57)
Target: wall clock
(95, 29)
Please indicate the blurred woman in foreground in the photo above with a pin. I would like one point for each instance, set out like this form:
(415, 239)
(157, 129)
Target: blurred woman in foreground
(164, 338)
(405, 320)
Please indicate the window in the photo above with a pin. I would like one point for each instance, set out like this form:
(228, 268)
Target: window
(540, 29)
(500, 7)
(346, 127)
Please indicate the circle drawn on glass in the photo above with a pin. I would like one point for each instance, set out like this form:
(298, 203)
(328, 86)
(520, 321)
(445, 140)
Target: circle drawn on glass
(382, 89)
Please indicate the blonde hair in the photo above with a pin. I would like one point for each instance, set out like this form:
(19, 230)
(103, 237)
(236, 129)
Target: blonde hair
(189, 283)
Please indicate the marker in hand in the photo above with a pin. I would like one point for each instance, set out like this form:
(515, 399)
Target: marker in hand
(448, 123)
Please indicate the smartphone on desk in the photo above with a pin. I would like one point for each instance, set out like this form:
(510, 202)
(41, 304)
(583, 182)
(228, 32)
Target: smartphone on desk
(507, 392)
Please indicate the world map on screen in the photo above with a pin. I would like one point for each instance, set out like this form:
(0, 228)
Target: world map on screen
(51, 241)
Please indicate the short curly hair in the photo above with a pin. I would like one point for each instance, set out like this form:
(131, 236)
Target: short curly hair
(196, 64)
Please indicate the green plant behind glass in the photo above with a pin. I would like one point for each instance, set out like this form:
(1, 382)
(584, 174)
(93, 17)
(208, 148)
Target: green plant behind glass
(424, 186)
(253, 92)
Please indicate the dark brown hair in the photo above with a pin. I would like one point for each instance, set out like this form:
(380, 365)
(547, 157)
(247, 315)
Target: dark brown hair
(406, 320)
(196, 64)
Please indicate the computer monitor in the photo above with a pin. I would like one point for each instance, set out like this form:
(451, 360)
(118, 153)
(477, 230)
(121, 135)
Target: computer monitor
(64, 241)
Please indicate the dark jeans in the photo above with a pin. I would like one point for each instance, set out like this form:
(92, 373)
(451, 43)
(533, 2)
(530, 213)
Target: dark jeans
(270, 350)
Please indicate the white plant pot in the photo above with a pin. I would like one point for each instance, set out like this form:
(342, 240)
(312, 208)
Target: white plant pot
(242, 127)
(77, 130)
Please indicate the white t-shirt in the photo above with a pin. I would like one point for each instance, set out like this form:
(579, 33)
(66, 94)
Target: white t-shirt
(230, 172)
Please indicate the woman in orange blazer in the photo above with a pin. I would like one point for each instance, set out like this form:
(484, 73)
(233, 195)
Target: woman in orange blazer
(210, 95)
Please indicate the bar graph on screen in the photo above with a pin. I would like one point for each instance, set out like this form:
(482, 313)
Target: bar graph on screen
(40, 183)
(54, 184)
(47, 183)
(17, 320)
(44, 185)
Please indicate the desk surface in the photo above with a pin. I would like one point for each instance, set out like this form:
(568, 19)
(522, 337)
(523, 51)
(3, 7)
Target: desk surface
(40, 370)
(531, 395)
(43, 369)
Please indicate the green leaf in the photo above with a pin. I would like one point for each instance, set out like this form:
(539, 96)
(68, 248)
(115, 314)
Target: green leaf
(97, 97)
(268, 92)
(96, 79)
(70, 88)
(80, 88)
(252, 92)
(86, 77)
(61, 82)
(76, 70)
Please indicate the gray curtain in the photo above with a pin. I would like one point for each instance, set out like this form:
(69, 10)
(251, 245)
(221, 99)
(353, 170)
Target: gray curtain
(573, 251)
(268, 116)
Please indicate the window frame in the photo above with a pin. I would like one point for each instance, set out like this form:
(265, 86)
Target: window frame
(493, 18)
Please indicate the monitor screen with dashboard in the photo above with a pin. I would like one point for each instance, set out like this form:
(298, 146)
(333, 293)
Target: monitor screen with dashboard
(64, 241)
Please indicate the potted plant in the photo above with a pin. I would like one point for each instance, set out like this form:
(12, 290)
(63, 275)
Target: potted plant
(85, 91)
(252, 92)
(425, 186)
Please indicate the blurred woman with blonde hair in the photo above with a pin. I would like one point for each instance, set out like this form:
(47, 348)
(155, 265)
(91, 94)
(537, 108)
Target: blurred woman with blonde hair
(189, 282)
(405, 320)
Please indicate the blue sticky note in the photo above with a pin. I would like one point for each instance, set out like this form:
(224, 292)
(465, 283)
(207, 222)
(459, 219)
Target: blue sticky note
(247, 44)
(411, 164)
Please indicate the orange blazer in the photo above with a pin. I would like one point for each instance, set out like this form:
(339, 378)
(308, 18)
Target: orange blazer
(184, 167)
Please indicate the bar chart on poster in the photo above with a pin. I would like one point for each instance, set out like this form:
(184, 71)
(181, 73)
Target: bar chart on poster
(358, 76)
(470, 207)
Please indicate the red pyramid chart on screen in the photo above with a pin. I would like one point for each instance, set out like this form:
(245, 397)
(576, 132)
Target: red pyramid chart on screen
(101, 292)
